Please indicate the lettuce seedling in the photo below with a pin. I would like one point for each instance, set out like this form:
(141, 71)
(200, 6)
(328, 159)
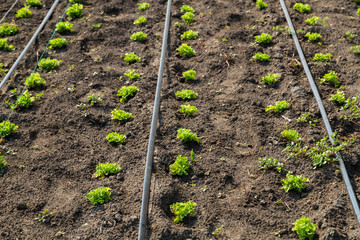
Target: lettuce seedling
(189, 75)
(2, 70)
(75, 11)
(264, 38)
(260, 4)
(26, 99)
(47, 64)
(8, 29)
(338, 98)
(271, 78)
(296, 183)
(132, 75)
(131, 58)
(313, 36)
(355, 49)
(140, 20)
(33, 3)
(302, 8)
(7, 128)
(5, 46)
(139, 36)
(320, 57)
(188, 110)
(24, 12)
(94, 100)
(116, 138)
(186, 135)
(189, 35)
(279, 106)
(188, 17)
(57, 43)
(304, 228)
(34, 80)
(330, 77)
(105, 169)
(181, 210)
(143, 6)
(99, 196)
(261, 57)
(186, 50)
(186, 94)
(180, 166)
(315, 20)
(270, 163)
(2, 164)
(350, 36)
(291, 135)
(64, 27)
(306, 118)
(43, 215)
(186, 9)
(121, 115)
(127, 92)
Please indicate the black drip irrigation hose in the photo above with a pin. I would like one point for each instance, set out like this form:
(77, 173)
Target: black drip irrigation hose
(29, 43)
(344, 173)
(8, 11)
(150, 152)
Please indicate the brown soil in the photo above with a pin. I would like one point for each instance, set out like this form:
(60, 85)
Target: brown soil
(233, 128)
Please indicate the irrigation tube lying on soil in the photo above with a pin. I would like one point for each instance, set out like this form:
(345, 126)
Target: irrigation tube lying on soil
(29, 43)
(345, 176)
(8, 11)
(150, 152)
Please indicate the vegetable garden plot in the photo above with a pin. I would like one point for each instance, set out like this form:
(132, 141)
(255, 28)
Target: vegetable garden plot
(53, 156)
(235, 199)
(62, 138)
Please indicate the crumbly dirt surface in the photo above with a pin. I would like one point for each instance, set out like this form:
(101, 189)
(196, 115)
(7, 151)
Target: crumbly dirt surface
(54, 153)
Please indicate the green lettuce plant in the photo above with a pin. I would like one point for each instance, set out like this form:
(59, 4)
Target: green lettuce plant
(132, 75)
(302, 8)
(338, 98)
(260, 4)
(64, 27)
(271, 78)
(5, 46)
(296, 183)
(320, 57)
(35, 80)
(264, 38)
(139, 36)
(8, 29)
(75, 11)
(57, 43)
(182, 209)
(304, 228)
(291, 135)
(261, 57)
(186, 50)
(33, 3)
(189, 75)
(121, 115)
(188, 17)
(143, 6)
(331, 78)
(24, 12)
(140, 21)
(116, 138)
(47, 64)
(186, 94)
(279, 106)
(189, 35)
(99, 196)
(188, 110)
(127, 92)
(186, 135)
(186, 9)
(131, 58)
(7, 128)
(106, 169)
